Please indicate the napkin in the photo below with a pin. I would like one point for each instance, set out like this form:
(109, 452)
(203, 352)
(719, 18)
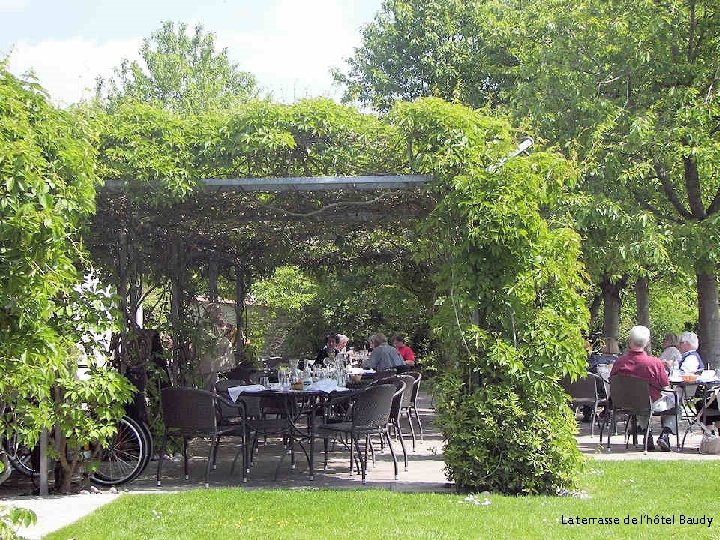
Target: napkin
(327, 385)
(235, 391)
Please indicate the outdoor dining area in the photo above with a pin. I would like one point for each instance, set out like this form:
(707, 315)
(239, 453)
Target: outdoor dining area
(608, 397)
(280, 416)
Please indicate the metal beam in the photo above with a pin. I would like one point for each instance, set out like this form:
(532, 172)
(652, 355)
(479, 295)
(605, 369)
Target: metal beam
(304, 183)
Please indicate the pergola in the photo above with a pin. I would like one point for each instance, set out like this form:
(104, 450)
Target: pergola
(239, 226)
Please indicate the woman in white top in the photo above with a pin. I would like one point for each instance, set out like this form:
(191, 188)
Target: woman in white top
(671, 355)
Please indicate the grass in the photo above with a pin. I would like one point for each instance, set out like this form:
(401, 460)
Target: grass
(615, 490)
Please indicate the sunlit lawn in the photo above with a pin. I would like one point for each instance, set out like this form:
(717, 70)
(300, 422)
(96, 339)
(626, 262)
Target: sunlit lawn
(615, 490)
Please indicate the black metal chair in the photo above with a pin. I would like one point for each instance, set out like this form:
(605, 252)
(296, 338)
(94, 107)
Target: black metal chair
(409, 403)
(370, 415)
(394, 419)
(189, 413)
(584, 393)
(631, 396)
(256, 423)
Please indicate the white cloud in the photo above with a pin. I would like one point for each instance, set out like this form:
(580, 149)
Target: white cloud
(290, 52)
(67, 69)
(13, 6)
(293, 57)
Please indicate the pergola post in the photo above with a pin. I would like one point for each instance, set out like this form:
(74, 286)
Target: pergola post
(176, 301)
(240, 290)
(122, 290)
(212, 280)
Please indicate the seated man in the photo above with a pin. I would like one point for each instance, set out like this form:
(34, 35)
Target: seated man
(637, 363)
(406, 352)
(383, 356)
(691, 361)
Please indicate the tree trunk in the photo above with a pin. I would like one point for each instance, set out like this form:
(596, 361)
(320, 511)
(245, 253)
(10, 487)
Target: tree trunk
(595, 309)
(709, 323)
(611, 313)
(642, 305)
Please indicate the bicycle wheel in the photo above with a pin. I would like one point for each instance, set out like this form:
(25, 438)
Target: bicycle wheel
(124, 457)
(149, 445)
(6, 469)
(24, 459)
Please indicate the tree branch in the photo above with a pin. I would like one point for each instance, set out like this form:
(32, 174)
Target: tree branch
(654, 210)
(670, 191)
(332, 205)
(692, 185)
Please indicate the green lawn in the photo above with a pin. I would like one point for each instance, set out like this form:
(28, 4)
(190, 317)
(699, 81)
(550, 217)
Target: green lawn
(615, 490)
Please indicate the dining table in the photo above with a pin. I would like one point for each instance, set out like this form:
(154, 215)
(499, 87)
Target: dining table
(300, 408)
(706, 390)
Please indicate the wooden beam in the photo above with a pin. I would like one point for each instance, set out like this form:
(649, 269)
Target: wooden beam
(302, 183)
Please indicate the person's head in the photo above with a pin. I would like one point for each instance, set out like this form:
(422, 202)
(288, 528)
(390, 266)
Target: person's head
(670, 340)
(378, 339)
(330, 341)
(398, 341)
(341, 340)
(687, 341)
(638, 338)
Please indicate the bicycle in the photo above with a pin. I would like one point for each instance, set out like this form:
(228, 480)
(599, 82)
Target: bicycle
(122, 460)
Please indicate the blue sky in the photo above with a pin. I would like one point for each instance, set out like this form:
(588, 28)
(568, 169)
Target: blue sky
(290, 45)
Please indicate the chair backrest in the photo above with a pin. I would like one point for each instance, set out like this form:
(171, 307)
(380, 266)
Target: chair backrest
(630, 394)
(400, 389)
(582, 388)
(252, 403)
(188, 410)
(409, 381)
(372, 406)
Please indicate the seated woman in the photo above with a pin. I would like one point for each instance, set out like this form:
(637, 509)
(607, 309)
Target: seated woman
(330, 349)
(671, 355)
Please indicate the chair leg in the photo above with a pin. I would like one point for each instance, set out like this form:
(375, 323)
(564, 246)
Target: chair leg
(326, 445)
(412, 429)
(367, 444)
(413, 409)
(185, 458)
(352, 448)
(211, 459)
(593, 415)
(400, 436)
(392, 452)
(216, 441)
(163, 444)
(372, 449)
(358, 450)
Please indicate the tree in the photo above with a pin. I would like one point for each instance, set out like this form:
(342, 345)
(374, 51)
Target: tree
(416, 48)
(511, 311)
(180, 71)
(47, 190)
(633, 87)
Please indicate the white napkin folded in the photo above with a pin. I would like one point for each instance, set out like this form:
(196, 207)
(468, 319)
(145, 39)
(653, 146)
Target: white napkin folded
(235, 391)
(327, 385)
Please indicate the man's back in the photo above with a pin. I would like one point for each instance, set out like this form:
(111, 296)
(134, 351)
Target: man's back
(641, 365)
